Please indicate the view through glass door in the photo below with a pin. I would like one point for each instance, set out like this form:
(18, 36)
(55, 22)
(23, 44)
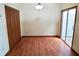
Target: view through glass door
(64, 21)
(68, 25)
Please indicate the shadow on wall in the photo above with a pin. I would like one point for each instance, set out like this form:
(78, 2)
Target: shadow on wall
(39, 26)
(58, 26)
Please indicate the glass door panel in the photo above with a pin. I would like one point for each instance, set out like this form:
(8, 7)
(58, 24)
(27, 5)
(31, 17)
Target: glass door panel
(63, 29)
(70, 26)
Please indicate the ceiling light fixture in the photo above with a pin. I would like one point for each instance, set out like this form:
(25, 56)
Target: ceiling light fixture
(39, 6)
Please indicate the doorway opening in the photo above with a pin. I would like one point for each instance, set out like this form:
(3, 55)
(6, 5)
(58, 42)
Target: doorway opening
(68, 21)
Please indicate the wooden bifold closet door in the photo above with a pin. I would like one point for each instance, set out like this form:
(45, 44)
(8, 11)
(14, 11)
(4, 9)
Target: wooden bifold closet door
(13, 25)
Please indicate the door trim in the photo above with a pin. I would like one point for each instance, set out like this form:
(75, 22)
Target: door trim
(74, 26)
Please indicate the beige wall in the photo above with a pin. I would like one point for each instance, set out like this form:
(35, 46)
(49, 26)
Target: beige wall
(13, 5)
(39, 23)
(76, 35)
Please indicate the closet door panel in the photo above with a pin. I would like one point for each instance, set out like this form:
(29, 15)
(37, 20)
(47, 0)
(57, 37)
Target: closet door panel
(17, 27)
(18, 24)
(19, 33)
(9, 26)
(13, 25)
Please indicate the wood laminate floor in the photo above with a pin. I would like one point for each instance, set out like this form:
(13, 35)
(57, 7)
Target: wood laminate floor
(41, 46)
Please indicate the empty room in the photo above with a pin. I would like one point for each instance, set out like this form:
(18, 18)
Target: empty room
(39, 29)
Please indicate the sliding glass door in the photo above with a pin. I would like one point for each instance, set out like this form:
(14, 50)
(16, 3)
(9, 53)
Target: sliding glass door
(68, 25)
